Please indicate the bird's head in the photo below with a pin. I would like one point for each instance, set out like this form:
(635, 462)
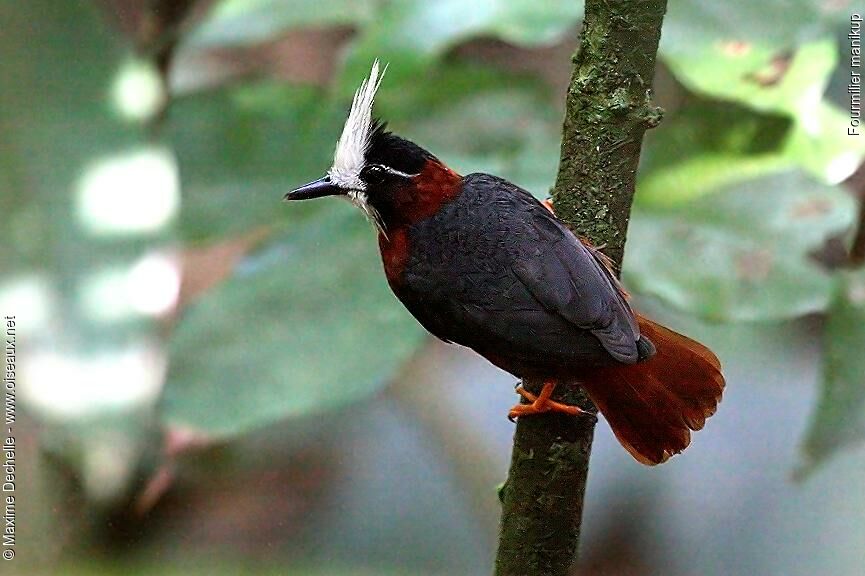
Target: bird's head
(393, 180)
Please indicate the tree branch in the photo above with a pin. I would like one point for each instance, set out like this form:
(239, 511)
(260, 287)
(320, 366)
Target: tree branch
(857, 248)
(608, 110)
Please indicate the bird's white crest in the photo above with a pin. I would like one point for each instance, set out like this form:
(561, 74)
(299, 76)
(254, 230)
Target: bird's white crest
(348, 160)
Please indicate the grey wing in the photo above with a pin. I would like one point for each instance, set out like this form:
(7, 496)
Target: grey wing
(568, 278)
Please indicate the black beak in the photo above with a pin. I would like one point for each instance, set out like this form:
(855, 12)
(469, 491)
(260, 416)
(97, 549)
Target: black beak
(319, 188)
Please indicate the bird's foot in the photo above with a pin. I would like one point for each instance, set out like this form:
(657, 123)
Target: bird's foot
(542, 403)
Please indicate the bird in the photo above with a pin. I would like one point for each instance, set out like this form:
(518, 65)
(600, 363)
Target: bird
(482, 263)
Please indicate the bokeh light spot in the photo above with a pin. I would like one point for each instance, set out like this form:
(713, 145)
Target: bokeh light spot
(133, 193)
(138, 92)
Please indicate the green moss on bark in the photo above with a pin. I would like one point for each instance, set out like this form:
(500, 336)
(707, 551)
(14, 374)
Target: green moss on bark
(548, 465)
(608, 110)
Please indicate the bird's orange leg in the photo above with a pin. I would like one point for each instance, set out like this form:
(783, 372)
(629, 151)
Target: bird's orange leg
(542, 403)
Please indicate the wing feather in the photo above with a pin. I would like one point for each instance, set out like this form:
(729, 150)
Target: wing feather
(574, 280)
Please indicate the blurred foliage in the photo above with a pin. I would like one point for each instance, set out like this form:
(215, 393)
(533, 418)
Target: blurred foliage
(85, 196)
(238, 143)
(738, 187)
(741, 253)
(234, 146)
(706, 145)
(221, 569)
(783, 24)
(246, 22)
(403, 32)
(413, 35)
(290, 360)
(839, 419)
(790, 83)
(56, 120)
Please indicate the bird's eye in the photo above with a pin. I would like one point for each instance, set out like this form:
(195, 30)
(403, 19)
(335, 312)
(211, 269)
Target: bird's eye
(374, 172)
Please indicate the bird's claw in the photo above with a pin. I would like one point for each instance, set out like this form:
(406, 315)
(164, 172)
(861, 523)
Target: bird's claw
(542, 403)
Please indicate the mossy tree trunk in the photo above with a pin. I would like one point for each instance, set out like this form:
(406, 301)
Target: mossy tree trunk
(608, 110)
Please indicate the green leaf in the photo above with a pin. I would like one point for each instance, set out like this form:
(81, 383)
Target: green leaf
(86, 200)
(71, 146)
(56, 119)
(243, 22)
(305, 325)
(764, 78)
(412, 25)
(820, 144)
(706, 145)
(780, 24)
(742, 253)
(241, 149)
(701, 175)
(769, 79)
(326, 329)
(839, 418)
(432, 27)
(412, 35)
(477, 119)
(477, 133)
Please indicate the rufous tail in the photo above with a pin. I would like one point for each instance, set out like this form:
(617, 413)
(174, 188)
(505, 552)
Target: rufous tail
(653, 405)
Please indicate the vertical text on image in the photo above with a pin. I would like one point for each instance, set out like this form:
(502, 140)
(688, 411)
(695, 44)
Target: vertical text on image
(854, 88)
(9, 445)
